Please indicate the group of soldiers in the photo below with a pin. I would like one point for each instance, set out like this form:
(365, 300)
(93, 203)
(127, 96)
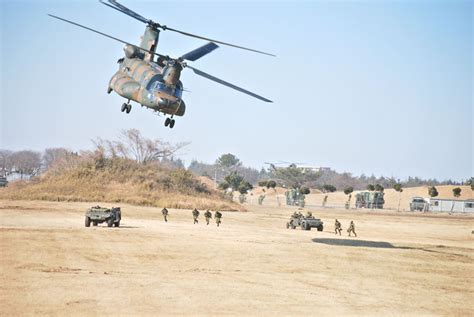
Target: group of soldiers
(338, 228)
(207, 216)
(195, 212)
(298, 214)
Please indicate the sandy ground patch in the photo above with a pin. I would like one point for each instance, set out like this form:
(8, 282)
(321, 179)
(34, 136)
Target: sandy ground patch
(401, 263)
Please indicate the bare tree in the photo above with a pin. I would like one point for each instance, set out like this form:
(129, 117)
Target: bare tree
(5, 162)
(26, 162)
(132, 145)
(52, 156)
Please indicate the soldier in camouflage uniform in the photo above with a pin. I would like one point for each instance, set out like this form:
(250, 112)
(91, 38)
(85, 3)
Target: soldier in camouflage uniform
(352, 229)
(309, 214)
(208, 216)
(164, 211)
(195, 215)
(337, 227)
(218, 217)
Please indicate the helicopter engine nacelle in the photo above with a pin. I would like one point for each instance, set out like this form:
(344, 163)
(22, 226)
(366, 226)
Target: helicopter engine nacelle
(171, 73)
(133, 52)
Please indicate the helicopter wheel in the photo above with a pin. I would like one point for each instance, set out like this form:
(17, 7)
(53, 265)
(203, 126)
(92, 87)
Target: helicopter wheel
(124, 107)
(172, 124)
(167, 122)
(129, 108)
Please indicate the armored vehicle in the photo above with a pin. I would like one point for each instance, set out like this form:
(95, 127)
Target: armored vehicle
(417, 203)
(370, 200)
(97, 214)
(294, 197)
(3, 181)
(305, 223)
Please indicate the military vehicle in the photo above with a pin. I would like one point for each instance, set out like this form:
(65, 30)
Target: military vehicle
(97, 214)
(3, 181)
(294, 197)
(369, 199)
(155, 82)
(305, 223)
(417, 203)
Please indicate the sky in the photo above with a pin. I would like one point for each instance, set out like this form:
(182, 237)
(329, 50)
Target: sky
(373, 87)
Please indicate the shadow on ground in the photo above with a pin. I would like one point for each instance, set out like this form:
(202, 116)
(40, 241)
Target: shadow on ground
(380, 244)
(355, 243)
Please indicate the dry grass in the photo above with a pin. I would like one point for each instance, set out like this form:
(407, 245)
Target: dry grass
(120, 181)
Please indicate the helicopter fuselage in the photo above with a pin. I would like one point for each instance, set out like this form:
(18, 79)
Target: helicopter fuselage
(143, 82)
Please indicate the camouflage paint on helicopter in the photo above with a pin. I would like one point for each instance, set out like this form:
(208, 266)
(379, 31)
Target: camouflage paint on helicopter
(156, 85)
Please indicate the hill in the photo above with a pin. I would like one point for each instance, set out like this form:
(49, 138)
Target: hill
(118, 180)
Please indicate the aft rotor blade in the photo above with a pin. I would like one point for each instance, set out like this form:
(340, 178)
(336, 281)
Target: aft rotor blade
(103, 34)
(200, 52)
(119, 7)
(215, 41)
(222, 82)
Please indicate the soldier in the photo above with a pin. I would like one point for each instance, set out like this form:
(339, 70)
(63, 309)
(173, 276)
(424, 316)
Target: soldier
(208, 216)
(195, 215)
(295, 215)
(164, 211)
(325, 200)
(352, 229)
(337, 227)
(218, 217)
(300, 215)
(309, 214)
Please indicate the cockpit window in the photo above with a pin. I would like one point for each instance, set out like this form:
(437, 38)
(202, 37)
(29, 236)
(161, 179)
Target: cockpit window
(177, 91)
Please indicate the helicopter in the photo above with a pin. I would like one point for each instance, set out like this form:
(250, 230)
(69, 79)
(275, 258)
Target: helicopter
(153, 79)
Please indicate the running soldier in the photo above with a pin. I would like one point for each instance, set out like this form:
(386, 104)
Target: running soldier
(164, 211)
(218, 217)
(352, 229)
(208, 216)
(337, 227)
(195, 215)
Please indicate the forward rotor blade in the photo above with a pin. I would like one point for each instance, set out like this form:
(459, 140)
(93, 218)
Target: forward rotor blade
(121, 8)
(103, 34)
(215, 41)
(222, 82)
(199, 52)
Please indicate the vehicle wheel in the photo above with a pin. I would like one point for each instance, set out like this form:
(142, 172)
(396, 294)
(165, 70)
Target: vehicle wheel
(320, 228)
(172, 124)
(167, 122)
(308, 227)
(117, 224)
(95, 223)
(124, 107)
(293, 227)
(129, 108)
(88, 222)
(287, 225)
(110, 222)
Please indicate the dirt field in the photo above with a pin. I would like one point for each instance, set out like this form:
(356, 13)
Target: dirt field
(401, 263)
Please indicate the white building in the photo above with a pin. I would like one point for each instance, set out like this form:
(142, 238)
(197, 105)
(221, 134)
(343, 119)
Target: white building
(450, 205)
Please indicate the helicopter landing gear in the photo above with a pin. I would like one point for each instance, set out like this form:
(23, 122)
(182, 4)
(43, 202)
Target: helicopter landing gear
(126, 107)
(169, 122)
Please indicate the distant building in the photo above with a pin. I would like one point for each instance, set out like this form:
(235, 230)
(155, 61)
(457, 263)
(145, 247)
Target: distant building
(450, 205)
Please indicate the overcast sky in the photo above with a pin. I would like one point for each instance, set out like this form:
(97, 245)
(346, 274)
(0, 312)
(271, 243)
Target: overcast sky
(382, 87)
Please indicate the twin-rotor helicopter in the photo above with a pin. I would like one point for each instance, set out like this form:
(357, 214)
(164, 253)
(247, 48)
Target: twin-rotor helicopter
(153, 79)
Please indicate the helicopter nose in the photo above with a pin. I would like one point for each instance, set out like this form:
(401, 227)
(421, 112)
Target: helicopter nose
(174, 107)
